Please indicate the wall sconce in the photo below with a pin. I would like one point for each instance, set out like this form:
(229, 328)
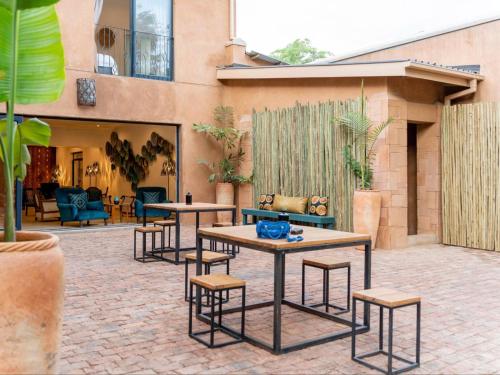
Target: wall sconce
(86, 91)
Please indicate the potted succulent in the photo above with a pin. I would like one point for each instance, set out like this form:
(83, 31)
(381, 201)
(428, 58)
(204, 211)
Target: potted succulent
(224, 171)
(359, 157)
(31, 263)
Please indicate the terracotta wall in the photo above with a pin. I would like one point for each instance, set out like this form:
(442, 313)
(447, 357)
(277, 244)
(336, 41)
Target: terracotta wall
(475, 45)
(201, 29)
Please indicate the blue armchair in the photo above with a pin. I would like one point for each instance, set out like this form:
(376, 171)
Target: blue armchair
(139, 202)
(69, 212)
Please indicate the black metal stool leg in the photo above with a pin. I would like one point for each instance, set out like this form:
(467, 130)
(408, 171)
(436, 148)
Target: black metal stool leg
(353, 332)
(418, 335)
(135, 245)
(190, 327)
(243, 302)
(212, 319)
(303, 283)
(348, 288)
(227, 273)
(381, 330)
(143, 247)
(389, 349)
(327, 292)
(186, 276)
(220, 308)
(169, 235)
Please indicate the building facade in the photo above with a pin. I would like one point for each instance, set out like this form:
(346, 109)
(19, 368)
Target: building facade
(162, 65)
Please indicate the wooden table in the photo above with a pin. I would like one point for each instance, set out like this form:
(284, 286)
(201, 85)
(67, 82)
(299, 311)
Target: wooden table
(117, 210)
(314, 239)
(182, 208)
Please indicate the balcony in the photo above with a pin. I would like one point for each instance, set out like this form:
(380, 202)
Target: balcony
(123, 52)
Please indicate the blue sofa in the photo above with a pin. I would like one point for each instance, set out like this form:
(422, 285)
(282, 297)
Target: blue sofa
(139, 202)
(69, 212)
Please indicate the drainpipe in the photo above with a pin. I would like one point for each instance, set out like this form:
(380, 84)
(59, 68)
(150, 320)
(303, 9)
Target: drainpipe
(232, 19)
(471, 90)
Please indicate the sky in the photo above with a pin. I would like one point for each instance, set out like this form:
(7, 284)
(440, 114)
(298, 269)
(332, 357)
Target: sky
(343, 26)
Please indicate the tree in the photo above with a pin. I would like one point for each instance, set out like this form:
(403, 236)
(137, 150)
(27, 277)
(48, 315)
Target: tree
(300, 51)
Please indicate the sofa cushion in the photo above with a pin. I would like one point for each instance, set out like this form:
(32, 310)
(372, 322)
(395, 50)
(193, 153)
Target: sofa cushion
(266, 202)
(79, 200)
(290, 204)
(318, 205)
(151, 197)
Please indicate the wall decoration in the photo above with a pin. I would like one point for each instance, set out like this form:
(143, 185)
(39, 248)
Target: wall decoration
(86, 91)
(135, 167)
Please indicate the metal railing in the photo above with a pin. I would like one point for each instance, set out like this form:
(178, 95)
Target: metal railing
(133, 54)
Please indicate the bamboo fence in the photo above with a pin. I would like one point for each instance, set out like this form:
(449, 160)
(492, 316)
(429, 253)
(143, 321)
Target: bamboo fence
(471, 175)
(297, 151)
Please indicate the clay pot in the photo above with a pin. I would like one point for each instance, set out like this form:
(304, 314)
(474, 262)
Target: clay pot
(224, 194)
(31, 291)
(366, 213)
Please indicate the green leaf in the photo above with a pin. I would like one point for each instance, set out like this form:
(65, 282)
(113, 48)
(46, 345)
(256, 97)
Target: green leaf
(35, 132)
(40, 56)
(26, 4)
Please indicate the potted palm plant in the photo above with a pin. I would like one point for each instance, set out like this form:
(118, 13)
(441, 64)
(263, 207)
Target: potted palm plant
(224, 171)
(31, 263)
(359, 158)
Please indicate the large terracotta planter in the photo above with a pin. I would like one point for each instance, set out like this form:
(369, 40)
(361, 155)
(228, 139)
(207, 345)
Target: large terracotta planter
(366, 213)
(31, 295)
(224, 194)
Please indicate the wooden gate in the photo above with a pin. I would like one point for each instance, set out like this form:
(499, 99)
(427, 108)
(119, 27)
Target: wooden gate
(471, 175)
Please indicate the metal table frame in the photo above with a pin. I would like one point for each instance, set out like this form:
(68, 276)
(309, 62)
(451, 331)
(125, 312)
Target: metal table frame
(177, 249)
(279, 296)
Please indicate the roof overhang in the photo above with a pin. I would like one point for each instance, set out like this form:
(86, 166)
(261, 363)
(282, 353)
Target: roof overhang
(395, 68)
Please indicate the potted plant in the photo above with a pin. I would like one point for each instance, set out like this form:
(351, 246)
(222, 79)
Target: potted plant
(359, 157)
(224, 171)
(31, 263)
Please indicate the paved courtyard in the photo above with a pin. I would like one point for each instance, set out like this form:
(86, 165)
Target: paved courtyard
(125, 317)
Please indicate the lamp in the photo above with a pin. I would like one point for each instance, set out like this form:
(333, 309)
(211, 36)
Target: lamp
(168, 169)
(92, 170)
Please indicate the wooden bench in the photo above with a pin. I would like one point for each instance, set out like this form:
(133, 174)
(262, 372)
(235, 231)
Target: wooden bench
(319, 221)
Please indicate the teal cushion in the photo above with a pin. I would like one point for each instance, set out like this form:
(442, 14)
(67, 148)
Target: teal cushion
(151, 196)
(79, 200)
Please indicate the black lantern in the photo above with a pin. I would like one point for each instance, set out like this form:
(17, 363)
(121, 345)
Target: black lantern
(85, 91)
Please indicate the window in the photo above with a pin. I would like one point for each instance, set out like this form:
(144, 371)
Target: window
(135, 38)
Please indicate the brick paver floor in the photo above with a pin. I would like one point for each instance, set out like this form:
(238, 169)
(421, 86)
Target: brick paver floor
(122, 316)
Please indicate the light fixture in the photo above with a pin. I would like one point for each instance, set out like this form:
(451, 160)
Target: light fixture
(168, 169)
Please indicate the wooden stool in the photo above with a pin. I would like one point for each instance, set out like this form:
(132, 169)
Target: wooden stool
(391, 300)
(147, 256)
(225, 247)
(327, 265)
(208, 259)
(217, 283)
(164, 224)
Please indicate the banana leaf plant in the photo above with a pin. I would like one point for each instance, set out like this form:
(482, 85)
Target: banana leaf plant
(365, 133)
(31, 72)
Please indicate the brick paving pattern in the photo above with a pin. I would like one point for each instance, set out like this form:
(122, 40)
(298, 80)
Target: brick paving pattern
(125, 317)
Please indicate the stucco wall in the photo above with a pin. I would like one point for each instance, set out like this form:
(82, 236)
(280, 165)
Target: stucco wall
(201, 29)
(474, 45)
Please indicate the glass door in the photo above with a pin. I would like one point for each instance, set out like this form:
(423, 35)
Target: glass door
(152, 42)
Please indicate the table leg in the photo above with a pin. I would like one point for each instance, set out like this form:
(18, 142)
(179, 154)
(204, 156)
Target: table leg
(234, 216)
(177, 236)
(245, 219)
(144, 209)
(199, 247)
(368, 281)
(278, 297)
(197, 226)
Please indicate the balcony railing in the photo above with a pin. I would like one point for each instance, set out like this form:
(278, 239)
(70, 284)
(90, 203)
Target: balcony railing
(134, 54)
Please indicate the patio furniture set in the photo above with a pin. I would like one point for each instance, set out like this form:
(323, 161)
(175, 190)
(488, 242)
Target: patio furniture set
(212, 290)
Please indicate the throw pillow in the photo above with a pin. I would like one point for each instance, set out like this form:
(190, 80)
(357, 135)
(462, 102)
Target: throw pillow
(79, 200)
(151, 196)
(290, 204)
(319, 205)
(266, 202)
